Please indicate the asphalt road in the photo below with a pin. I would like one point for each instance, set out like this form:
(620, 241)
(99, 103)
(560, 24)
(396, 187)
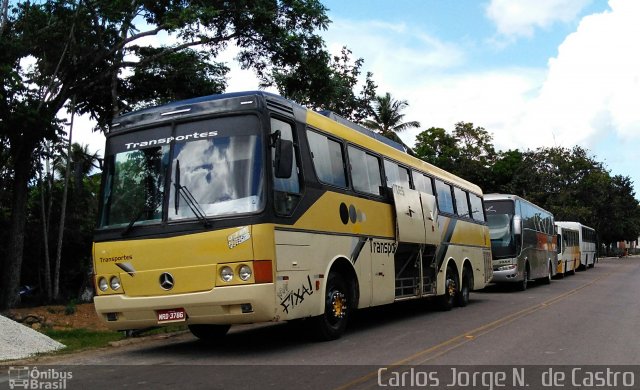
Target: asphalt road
(591, 318)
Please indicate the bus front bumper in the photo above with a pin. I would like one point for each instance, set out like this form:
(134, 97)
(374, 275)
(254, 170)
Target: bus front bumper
(506, 276)
(223, 305)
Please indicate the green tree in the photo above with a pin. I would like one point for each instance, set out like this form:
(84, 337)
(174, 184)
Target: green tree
(476, 153)
(91, 51)
(507, 172)
(387, 117)
(336, 92)
(574, 186)
(437, 147)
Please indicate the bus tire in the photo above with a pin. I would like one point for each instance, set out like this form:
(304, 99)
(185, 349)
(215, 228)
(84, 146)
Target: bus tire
(465, 288)
(547, 279)
(522, 285)
(448, 299)
(333, 322)
(209, 332)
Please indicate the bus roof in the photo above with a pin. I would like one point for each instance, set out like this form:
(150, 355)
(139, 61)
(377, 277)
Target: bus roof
(490, 197)
(572, 225)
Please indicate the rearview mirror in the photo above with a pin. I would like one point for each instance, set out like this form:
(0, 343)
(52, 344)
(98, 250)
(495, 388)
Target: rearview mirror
(283, 158)
(517, 225)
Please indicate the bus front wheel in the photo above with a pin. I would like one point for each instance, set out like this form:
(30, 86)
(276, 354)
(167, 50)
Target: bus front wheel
(209, 332)
(547, 279)
(332, 324)
(525, 278)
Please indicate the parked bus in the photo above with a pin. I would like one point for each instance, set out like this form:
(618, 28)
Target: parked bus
(587, 242)
(246, 207)
(568, 249)
(523, 241)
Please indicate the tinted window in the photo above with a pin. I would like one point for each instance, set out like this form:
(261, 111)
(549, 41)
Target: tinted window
(396, 174)
(445, 200)
(462, 206)
(365, 171)
(287, 190)
(328, 159)
(422, 183)
(476, 207)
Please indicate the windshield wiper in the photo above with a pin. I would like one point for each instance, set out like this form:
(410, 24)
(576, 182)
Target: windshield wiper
(183, 191)
(145, 209)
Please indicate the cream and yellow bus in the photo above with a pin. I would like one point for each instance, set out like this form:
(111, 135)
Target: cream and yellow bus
(586, 241)
(568, 249)
(246, 207)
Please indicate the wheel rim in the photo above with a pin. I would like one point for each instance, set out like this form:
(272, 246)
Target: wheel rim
(338, 304)
(451, 287)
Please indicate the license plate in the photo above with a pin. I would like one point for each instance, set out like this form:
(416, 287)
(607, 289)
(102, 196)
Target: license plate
(171, 315)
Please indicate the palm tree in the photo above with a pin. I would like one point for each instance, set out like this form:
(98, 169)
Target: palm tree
(387, 117)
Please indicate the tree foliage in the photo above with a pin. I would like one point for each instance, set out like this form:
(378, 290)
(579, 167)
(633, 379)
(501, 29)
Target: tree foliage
(98, 53)
(336, 92)
(570, 183)
(387, 116)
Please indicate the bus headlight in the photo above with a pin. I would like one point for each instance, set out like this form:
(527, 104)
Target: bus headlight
(102, 284)
(115, 283)
(244, 273)
(226, 274)
(507, 267)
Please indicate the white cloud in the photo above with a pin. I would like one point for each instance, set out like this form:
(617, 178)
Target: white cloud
(522, 17)
(593, 85)
(492, 99)
(397, 54)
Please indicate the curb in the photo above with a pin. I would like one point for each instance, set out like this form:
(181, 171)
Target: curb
(138, 340)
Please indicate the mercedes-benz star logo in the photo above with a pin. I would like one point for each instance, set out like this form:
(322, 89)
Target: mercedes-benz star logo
(166, 281)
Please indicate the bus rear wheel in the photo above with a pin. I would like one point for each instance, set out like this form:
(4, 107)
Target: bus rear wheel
(547, 279)
(465, 288)
(332, 324)
(209, 332)
(447, 301)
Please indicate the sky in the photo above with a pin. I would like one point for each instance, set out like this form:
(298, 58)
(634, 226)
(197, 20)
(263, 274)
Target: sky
(531, 73)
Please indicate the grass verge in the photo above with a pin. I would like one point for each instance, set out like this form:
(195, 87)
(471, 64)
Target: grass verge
(80, 339)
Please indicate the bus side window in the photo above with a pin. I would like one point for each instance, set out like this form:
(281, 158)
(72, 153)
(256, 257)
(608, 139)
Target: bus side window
(422, 183)
(328, 159)
(462, 204)
(445, 199)
(365, 171)
(396, 174)
(286, 190)
(476, 207)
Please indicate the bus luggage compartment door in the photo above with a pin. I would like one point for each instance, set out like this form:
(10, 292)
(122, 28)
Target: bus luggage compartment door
(416, 216)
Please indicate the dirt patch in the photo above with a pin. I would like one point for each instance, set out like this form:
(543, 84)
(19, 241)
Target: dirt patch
(80, 316)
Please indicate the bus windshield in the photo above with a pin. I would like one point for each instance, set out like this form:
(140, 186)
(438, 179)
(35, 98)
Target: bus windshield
(207, 168)
(500, 222)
